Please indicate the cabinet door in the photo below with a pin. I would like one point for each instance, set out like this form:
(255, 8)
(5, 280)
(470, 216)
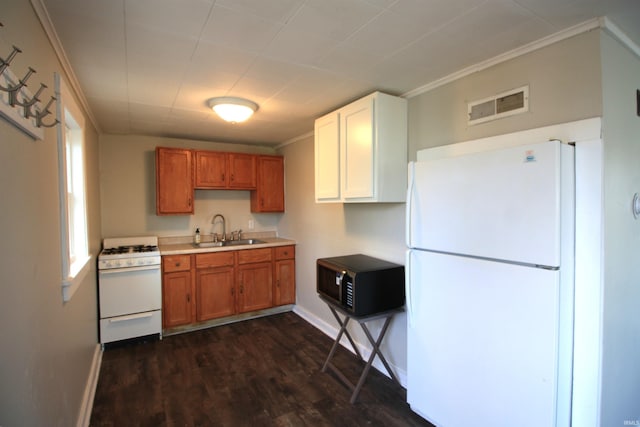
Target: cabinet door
(357, 149)
(285, 282)
(242, 171)
(269, 194)
(176, 299)
(174, 181)
(211, 169)
(255, 286)
(215, 293)
(327, 158)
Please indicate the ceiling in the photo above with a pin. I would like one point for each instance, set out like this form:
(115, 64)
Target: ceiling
(148, 66)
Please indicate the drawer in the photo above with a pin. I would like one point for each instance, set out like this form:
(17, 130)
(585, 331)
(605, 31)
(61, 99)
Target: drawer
(171, 263)
(214, 259)
(254, 255)
(130, 326)
(285, 252)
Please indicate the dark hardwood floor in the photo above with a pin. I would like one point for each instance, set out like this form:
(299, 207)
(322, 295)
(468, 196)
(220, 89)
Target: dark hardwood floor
(261, 372)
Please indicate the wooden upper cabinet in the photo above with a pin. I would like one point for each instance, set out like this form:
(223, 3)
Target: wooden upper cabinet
(211, 169)
(174, 181)
(220, 170)
(269, 193)
(242, 171)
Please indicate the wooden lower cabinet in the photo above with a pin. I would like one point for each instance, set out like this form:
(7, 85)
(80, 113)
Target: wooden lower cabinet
(255, 273)
(215, 285)
(176, 291)
(284, 276)
(215, 295)
(255, 291)
(201, 287)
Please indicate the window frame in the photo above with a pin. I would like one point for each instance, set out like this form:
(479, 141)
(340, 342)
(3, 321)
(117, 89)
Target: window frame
(75, 266)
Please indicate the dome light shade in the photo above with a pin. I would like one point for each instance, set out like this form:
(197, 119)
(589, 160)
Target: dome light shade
(231, 109)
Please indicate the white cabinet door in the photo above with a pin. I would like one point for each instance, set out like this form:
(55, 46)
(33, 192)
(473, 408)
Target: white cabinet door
(356, 134)
(361, 151)
(327, 158)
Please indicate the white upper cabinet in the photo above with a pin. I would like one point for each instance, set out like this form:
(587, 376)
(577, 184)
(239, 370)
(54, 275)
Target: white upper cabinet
(361, 151)
(327, 158)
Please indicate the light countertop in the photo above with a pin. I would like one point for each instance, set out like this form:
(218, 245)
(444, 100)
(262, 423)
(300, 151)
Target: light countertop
(184, 245)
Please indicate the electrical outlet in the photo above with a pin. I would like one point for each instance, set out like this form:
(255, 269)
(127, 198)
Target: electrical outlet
(251, 224)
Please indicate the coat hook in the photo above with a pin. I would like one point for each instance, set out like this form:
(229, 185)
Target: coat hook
(44, 125)
(44, 113)
(4, 63)
(26, 104)
(21, 83)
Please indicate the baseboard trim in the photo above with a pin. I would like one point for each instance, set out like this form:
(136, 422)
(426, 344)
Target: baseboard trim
(84, 417)
(332, 332)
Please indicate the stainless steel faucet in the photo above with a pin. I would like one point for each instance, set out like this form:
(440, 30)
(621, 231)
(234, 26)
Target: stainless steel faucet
(224, 227)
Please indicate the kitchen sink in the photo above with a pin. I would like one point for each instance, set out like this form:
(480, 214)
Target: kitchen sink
(208, 245)
(240, 242)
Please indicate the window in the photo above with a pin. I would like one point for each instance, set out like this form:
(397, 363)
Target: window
(73, 207)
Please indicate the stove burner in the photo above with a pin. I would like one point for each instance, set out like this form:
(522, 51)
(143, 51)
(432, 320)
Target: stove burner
(129, 249)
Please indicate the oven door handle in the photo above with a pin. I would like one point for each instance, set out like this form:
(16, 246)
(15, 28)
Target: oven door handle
(130, 269)
(130, 317)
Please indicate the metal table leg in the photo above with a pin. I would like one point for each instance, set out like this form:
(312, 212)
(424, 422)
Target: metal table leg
(374, 342)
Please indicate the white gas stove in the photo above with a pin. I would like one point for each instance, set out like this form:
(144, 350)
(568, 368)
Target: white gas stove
(127, 252)
(130, 288)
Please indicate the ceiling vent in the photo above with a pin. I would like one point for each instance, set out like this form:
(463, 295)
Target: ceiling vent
(515, 101)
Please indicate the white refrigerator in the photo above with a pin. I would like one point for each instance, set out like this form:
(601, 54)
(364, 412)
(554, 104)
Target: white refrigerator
(490, 284)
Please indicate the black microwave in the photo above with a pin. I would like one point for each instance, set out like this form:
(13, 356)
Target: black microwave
(361, 284)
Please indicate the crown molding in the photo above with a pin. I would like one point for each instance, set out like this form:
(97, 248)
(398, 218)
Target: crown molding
(49, 29)
(584, 27)
(295, 139)
(607, 25)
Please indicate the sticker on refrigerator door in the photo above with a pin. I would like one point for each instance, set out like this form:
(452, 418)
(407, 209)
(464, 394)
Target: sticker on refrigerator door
(530, 156)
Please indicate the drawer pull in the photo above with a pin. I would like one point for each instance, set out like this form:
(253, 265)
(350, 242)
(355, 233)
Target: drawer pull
(130, 317)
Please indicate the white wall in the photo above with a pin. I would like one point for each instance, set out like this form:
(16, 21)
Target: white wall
(128, 191)
(47, 346)
(334, 229)
(564, 86)
(621, 319)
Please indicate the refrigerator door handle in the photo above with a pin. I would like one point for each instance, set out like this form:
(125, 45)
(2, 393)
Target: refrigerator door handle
(407, 281)
(410, 186)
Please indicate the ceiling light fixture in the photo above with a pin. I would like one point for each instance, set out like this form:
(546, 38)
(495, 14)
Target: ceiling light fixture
(232, 109)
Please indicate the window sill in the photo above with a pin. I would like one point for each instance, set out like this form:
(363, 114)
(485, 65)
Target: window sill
(77, 274)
